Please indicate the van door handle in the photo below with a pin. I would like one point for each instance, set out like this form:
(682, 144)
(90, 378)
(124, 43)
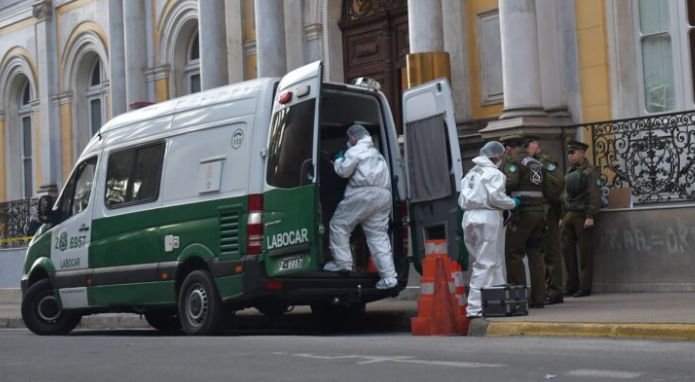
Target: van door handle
(84, 228)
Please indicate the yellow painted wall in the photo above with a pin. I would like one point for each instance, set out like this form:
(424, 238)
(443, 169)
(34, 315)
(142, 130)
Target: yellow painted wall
(3, 164)
(161, 89)
(593, 60)
(249, 22)
(37, 149)
(66, 137)
(473, 9)
(593, 63)
(250, 67)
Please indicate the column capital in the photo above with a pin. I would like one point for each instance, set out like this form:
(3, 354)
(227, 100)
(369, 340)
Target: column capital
(157, 73)
(42, 10)
(62, 98)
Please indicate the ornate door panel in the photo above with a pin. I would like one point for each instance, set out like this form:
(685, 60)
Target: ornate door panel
(374, 45)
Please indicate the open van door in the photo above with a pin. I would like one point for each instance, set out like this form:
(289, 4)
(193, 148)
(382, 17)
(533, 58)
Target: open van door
(291, 222)
(433, 169)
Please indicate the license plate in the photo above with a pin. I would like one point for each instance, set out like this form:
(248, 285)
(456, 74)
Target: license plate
(291, 263)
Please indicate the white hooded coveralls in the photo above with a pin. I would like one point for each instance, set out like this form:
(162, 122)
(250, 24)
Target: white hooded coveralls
(367, 201)
(483, 198)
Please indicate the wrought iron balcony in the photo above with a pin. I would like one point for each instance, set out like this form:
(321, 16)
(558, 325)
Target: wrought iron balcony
(653, 155)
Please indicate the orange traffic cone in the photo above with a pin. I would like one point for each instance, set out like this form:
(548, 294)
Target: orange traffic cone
(437, 307)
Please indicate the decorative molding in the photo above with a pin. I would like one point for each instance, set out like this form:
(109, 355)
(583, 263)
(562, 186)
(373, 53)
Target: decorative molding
(158, 73)
(42, 10)
(62, 98)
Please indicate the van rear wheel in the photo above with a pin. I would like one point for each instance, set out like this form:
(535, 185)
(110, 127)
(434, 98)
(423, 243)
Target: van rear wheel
(165, 321)
(200, 307)
(42, 313)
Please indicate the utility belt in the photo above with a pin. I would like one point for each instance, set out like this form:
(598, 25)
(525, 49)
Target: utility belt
(529, 198)
(577, 203)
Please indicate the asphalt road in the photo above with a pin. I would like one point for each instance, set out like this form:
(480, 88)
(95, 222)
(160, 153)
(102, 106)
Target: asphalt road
(281, 356)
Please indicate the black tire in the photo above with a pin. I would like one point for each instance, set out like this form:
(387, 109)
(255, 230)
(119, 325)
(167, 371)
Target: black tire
(165, 321)
(200, 307)
(42, 314)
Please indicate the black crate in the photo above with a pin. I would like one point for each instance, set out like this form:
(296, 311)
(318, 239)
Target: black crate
(504, 300)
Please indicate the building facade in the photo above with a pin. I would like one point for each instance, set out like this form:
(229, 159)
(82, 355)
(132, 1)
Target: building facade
(549, 67)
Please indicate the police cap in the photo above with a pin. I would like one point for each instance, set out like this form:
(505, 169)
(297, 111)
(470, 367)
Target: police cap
(528, 138)
(512, 140)
(573, 144)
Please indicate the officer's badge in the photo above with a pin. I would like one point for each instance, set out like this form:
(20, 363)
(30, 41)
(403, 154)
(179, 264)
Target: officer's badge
(536, 176)
(551, 167)
(512, 168)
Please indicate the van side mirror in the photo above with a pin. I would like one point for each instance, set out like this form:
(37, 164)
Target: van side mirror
(46, 214)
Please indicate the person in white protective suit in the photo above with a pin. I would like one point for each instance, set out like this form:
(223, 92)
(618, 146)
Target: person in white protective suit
(367, 201)
(483, 199)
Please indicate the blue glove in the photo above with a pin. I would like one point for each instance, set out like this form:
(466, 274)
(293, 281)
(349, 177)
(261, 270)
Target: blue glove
(339, 156)
(517, 202)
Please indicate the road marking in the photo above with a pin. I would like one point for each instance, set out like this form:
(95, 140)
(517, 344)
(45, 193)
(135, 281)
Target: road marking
(367, 359)
(603, 374)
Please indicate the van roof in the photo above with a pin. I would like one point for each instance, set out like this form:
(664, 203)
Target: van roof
(221, 94)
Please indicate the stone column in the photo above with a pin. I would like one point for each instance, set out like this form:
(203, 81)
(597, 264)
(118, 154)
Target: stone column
(427, 59)
(49, 128)
(213, 44)
(520, 63)
(270, 38)
(550, 39)
(425, 26)
(117, 58)
(235, 41)
(135, 51)
(294, 38)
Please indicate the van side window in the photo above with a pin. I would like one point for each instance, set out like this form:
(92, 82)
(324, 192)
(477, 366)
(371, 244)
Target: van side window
(78, 190)
(291, 145)
(133, 175)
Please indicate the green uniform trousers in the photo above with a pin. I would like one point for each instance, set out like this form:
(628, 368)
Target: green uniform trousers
(552, 255)
(573, 233)
(523, 238)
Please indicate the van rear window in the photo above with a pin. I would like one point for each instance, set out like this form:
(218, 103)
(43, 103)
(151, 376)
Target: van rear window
(290, 148)
(133, 176)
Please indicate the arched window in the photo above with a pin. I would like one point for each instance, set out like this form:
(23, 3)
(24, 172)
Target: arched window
(192, 68)
(95, 97)
(26, 141)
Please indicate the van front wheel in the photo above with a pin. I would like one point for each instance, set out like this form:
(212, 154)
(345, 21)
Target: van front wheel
(42, 313)
(200, 307)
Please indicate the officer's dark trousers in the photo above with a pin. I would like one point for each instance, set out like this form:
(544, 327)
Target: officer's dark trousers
(524, 239)
(573, 233)
(552, 254)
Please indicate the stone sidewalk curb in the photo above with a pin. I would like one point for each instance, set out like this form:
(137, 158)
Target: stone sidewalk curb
(566, 329)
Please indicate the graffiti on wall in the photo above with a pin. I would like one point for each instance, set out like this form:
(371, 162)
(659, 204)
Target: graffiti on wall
(18, 222)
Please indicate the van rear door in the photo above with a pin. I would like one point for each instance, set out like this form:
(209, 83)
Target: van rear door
(290, 197)
(433, 169)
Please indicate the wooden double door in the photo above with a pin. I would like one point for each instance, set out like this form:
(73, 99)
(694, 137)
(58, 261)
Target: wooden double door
(376, 47)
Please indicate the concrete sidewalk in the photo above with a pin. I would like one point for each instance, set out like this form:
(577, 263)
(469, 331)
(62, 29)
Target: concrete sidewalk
(665, 316)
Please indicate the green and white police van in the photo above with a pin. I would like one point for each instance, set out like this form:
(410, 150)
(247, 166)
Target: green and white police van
(188, 210)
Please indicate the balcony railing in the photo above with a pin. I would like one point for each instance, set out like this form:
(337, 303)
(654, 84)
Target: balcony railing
(652, 155)
(18, 221)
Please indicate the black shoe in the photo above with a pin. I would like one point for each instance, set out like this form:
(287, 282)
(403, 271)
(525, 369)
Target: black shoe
(536, 306)
(569, 293)
(582, 293)
(554, 300)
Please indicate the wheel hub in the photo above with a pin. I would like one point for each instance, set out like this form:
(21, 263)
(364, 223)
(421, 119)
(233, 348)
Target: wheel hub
(197, 306)
(47, 308)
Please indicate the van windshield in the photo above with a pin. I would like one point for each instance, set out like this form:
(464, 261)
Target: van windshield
(290, 148)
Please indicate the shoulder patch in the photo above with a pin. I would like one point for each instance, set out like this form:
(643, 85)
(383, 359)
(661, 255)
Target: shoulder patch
(512, 168)
(551, 166)
(598, 182)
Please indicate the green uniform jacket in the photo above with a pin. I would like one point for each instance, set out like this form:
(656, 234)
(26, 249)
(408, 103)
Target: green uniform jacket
(582, 190)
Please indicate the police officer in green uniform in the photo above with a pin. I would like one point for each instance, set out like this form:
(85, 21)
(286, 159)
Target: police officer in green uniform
(582, 202)
(527, 181)
(511, 143)
(552, 252)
